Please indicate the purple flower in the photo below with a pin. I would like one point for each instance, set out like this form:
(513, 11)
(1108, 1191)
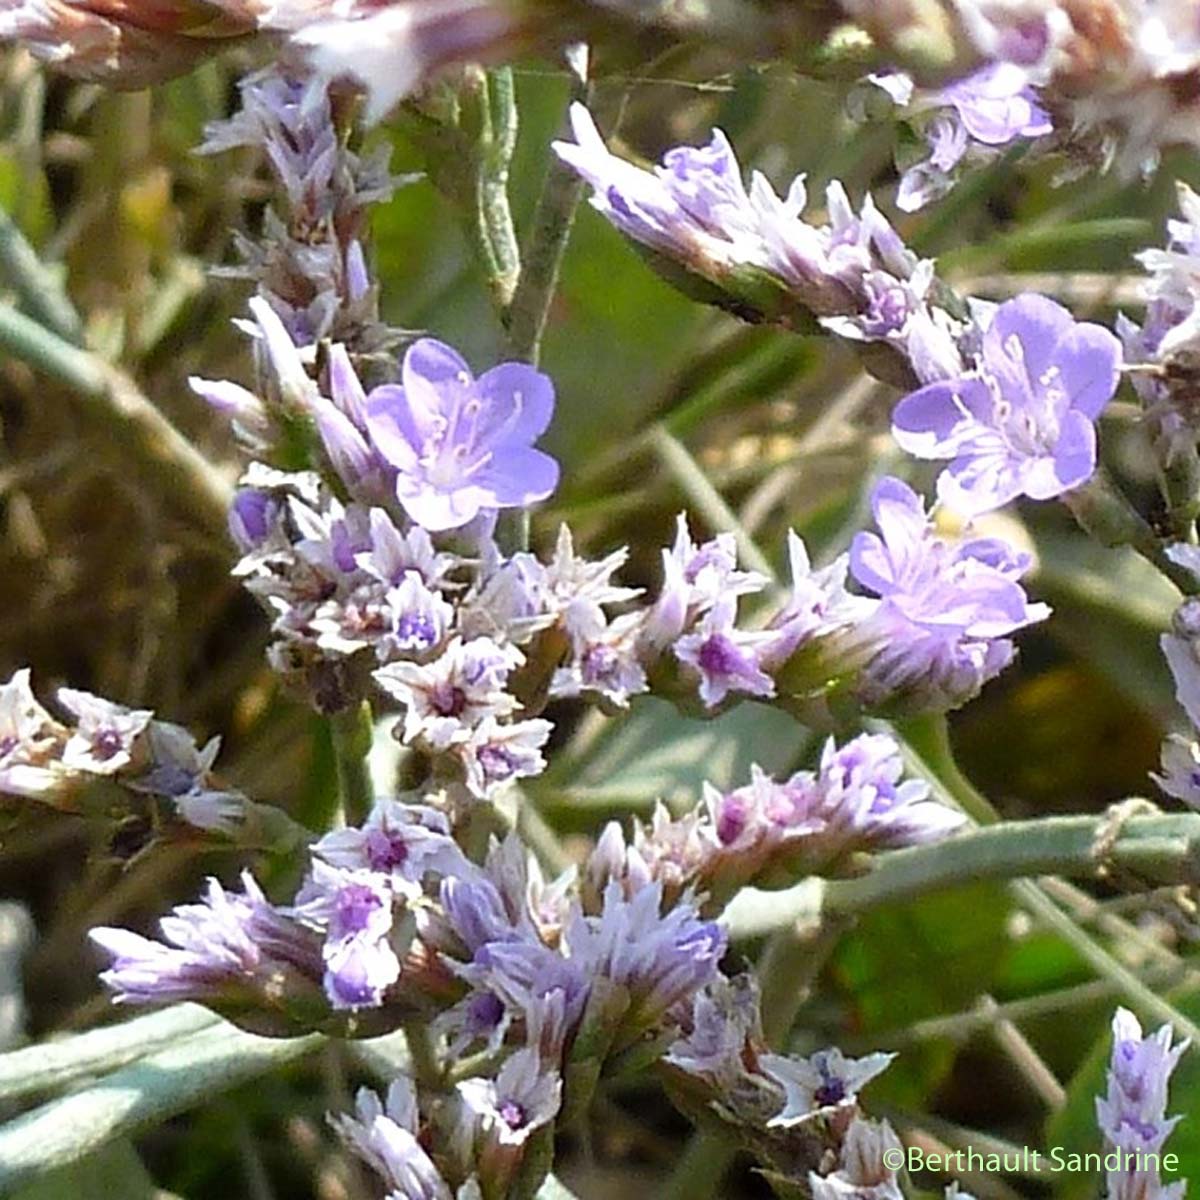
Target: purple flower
(385, 1137)
(727, 659)
(104, 740)
(459, 444)
(826, 1079)
(1132, 1114)
(864, 1170)
(354, 910)
(941, 631)
(660, 958)
(228, 944)
(694, 207)
(401, 842)
(1022, 422)
(863, 798)
(523, 1097)
(497, 753)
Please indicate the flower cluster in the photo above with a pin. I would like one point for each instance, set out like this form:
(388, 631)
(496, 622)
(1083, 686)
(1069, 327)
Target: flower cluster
(309, 265)
(854, 274)
(1132, 1114)
(968, 120)
(43, 758)
(815, 822)
(1165, 349)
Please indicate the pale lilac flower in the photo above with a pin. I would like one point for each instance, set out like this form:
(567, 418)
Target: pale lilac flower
(1132, 1114)
(354, 909)
(661, 958)
(990, 108)
(401, 842)
(230, 942)
(826, 1079)
(385, 1138)
(253, 517)
(1180, 759)
(817, 604)
(695, 577)
(29, 740)
(105, 736)
(604, 660)
(942, 629)
(524, 1097)
(496, 753)
(724, 1017)
(694, 207)
(579, 589)
(863, 1172)
(864, 801)
(459, 444)
(445, 699)
(1023, 421)
(727, 659)
(393, 556)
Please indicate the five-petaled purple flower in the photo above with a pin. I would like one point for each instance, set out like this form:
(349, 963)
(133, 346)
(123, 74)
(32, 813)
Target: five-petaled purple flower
(1022, 422)
(462, 445)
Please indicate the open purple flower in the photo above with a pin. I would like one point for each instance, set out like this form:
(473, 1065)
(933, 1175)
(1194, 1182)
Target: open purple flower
(460, 444)
(1022, 422)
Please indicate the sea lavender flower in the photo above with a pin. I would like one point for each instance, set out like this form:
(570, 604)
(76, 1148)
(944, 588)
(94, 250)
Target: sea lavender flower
(459, 444)
(235, 946)
(106, 735)
(862, 1172)
(942, 629)
(1180, 760)
(524, 1097)
(354, 909)
(724, 1018)
(385, 1137)
(660, 958)
(445, 699)
(725, 658)
(496, 753)
(1022, 422)
(694, 207)
(30, 740)
(1132, 1114)
(826, 1079)
(987, 109)
(864, 803)
(401, 842)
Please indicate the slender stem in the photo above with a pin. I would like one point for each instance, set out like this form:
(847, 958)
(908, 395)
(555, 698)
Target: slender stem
(352, 732)
(1103, 510)
(130, 423)
(1136, 991)
(702, 1169)
(36, 285)
(496, 234)
(542, 257)
(1164, 846)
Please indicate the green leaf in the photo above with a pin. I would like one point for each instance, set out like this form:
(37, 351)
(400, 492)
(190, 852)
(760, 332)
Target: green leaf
(140, 1095)
(114, 1171)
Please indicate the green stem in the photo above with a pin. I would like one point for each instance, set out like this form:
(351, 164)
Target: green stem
(352, 732)
(35, 284)
(496, 235)
(1164, 847)
(1103, 511)
(145, 1093)
(543, 253)
(126, 419)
